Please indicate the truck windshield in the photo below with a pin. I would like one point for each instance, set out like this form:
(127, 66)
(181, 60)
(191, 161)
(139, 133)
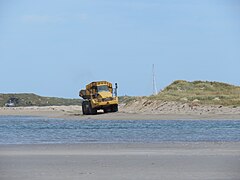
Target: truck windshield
(102, 88)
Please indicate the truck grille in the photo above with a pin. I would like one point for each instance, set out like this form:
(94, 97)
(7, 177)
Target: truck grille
(107, 99)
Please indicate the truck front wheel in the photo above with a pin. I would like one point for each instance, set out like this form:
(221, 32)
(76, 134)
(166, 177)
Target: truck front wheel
(92, 111)
(114, 108)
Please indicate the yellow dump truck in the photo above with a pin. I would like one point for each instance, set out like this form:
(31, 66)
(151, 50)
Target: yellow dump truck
(99, 95)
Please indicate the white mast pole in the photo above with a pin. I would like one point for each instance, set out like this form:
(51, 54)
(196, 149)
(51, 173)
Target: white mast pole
(154, 81)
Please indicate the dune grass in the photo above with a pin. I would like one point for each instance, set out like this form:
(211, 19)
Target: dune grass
(202, 92)
(29, 99)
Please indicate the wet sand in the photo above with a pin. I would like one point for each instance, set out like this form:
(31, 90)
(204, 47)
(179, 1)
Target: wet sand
(120, 161)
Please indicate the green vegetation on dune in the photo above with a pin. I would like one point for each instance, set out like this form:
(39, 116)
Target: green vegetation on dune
(28, 99)
(202, 92)
(127, 99)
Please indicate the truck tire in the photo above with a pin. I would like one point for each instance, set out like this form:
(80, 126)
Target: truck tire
(114, 108)
(84, 108)
(92, 111)
(87, 108)
(106, 110)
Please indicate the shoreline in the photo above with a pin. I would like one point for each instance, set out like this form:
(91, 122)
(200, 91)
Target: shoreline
(75, 113)
(120, 161)
(230, 148)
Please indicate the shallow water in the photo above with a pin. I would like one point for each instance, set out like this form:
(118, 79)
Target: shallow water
(39, 130)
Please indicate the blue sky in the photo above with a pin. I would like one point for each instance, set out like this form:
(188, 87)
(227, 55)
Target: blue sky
(56, 47)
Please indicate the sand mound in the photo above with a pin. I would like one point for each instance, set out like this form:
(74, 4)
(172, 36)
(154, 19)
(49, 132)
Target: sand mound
(145, 105)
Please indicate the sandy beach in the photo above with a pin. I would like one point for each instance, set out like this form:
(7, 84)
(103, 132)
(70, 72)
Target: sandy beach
(138, 111)
(103, 161)
(121, 161)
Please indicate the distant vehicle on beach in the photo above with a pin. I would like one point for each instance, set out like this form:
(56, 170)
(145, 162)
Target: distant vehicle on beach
(10, 104)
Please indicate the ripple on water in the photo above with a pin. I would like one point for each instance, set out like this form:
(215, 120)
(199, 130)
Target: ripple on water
(38, 130)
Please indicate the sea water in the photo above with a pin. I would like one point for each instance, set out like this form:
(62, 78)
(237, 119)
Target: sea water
(39, 130)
